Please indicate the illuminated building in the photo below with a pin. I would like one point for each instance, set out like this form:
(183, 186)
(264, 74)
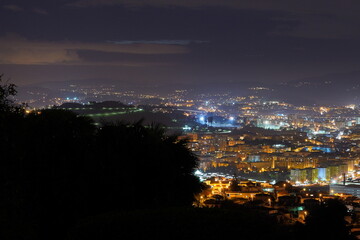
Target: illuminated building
(351, 189)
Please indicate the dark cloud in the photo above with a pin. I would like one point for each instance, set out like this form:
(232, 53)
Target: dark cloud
(17, 8)
(316, 19)
(15, 50)
(180, 40)
(165, 42)
(40, 11)
(13, 8)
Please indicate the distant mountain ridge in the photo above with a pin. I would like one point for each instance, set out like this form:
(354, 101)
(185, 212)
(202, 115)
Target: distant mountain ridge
(330, 89)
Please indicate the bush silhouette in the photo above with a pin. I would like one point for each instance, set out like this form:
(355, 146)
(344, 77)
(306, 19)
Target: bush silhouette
(58, 168)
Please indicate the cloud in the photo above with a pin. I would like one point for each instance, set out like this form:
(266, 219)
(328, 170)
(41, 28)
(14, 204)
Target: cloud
(162, 42)
(305, 6)
(13, 8)
(40, 11)
(15, 50)
(171, 3)
(16, 8)
(314, 19)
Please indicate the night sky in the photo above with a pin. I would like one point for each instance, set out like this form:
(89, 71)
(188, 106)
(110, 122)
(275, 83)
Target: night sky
(177, 41)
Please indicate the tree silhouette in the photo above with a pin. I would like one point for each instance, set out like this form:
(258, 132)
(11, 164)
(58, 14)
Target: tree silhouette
(147, 164)
(7, 90)
(327, 221)
(57, 168)
(44, 162)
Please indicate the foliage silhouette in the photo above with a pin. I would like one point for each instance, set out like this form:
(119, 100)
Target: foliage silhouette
(327, 221)
(7, 90)
(58, 168)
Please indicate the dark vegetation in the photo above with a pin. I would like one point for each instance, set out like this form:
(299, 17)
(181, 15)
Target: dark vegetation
(113, 111)
(63, 178)
(57, 168)
(327, 221)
